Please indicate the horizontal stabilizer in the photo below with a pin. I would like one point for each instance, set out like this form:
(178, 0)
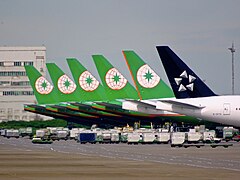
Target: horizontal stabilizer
(81, 105)
(109, 105)
(142, 103)
(35, 106)
(183, 104)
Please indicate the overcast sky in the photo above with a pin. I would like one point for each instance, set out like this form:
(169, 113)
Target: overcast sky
(199, 31)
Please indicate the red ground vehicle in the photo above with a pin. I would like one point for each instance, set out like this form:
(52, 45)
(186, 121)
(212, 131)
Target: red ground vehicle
(236, 138)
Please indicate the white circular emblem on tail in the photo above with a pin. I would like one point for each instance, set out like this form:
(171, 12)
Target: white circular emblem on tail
(66, 85)
(88, 82)
(147, 77)
(115, 79)
(43, 86)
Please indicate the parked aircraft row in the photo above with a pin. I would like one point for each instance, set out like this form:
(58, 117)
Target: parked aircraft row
(193, 97)
(116, 102)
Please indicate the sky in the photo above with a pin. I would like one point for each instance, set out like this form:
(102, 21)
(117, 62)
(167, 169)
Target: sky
(199, 31)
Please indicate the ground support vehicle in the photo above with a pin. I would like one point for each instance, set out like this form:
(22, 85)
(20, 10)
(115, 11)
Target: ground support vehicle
(84, 138)
(236, 138)
(41, 141)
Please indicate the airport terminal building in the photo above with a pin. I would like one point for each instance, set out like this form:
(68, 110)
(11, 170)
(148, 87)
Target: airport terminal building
(15, 88)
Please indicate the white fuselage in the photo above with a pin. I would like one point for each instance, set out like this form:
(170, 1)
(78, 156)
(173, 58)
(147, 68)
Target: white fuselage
(219, 109)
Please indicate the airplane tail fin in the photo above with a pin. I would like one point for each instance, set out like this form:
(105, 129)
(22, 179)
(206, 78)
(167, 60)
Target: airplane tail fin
(42, 89)
(87, 84)
(115, 84)
(148, 84)
(66, 88)
(185, 83)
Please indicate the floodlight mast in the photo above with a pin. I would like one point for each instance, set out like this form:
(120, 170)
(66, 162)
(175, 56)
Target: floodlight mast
(232, 51)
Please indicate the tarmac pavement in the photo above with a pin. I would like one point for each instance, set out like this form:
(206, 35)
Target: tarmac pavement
(20, 159)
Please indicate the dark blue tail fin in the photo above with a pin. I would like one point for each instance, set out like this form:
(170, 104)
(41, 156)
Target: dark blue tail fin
(185, 83)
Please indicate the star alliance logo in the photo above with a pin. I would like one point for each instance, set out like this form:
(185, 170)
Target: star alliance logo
(88, 82)
(115, 79)
(66, 85)
(189, 86)
(147, 77)
(43, 86)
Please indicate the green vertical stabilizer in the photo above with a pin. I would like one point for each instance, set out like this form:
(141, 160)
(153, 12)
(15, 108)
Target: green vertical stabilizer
(148, 84)
(115, 84)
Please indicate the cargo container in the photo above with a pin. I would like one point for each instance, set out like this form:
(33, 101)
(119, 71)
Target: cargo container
(106, 136)
(194, 137)
(62, 134)
(3, 132)
(10, 133)
(228, 133)
(162, 137)
(52, 130)
(123, 137)
(133, 138)
(148, 138)
(40, 133)
(99, 138)
(115, 138)
(87, 138)
(210, 137)
(26, 132)
(177, 138)
(43, 133)
(74, 133)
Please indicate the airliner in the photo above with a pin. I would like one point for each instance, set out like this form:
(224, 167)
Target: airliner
(194, 97)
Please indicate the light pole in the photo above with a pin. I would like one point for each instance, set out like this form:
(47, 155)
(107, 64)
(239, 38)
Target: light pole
(232, 51)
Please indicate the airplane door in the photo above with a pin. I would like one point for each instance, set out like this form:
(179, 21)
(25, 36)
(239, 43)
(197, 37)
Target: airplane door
(226, 109)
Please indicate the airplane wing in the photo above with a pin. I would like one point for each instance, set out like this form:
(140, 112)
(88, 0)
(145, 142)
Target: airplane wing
(183, 104)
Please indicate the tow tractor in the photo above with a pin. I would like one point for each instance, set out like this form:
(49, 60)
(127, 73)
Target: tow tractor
(37, 140)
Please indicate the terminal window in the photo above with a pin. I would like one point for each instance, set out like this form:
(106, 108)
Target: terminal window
(17, 93)
(24, 117)
(17, 63)
(13, 73)
(20, 83)
(4, 83)
(10, 110)
(30, 63)
(16, 117)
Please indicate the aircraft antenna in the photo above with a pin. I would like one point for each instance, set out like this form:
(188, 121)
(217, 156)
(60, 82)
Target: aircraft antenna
(232, 51)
